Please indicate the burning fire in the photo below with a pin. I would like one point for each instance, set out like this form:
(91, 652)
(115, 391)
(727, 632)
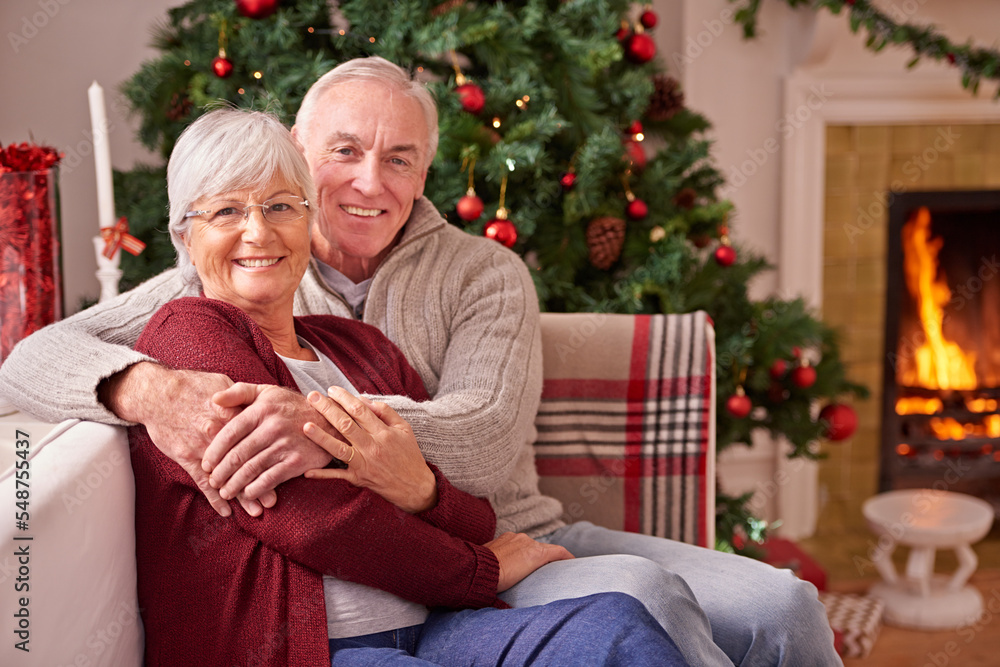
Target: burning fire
(949, 428)
(940, 363)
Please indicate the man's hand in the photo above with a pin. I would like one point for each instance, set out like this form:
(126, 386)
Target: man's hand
(175, 407)
(265, 444)
(381, 451)
(519, 556)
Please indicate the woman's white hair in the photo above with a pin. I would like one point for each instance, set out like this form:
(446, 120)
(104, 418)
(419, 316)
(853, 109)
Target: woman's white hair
(377, 69)
(225, 150)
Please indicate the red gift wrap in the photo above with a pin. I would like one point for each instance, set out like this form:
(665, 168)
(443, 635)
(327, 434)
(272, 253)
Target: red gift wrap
(30, 280)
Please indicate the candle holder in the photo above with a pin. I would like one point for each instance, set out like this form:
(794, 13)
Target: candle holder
(108, 273)
(30, 258)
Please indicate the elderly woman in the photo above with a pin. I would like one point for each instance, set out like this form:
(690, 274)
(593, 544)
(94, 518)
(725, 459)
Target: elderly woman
(333, 572)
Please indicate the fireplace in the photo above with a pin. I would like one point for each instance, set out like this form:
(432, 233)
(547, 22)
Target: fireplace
(941, 380)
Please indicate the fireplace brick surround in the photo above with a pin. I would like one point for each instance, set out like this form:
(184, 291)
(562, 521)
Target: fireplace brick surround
(865, 165)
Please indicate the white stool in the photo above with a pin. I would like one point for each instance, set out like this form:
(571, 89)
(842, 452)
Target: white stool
(927, 520)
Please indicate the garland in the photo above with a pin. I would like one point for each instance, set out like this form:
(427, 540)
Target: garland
(976, 63)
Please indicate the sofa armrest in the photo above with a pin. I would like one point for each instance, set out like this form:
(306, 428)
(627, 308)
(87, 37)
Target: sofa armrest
(78, 577)
(626, 426)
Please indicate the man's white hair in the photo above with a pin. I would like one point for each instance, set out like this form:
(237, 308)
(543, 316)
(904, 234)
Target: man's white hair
(377, 69)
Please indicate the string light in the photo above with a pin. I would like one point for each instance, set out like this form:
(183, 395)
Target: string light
(496, 121)
(240, 91)
(258, 74)
(187, 63)
(371, 39)
(310, 29)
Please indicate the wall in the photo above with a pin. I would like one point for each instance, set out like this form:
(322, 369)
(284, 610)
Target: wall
(50, 53)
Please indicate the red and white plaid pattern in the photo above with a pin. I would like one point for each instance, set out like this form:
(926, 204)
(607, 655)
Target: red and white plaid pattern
(626, 427)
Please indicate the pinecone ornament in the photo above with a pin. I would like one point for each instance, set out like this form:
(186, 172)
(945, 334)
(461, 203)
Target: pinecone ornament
(667, 98)
(605, 238)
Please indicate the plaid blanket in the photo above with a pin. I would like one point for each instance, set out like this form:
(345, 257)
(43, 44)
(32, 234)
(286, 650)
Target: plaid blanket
(626, 427)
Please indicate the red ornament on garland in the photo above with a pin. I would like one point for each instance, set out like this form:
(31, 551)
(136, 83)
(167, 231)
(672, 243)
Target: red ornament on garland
(470, 207)
(778, 369)
(725, 255)
(841, 421)
(804, 376)
(635, 128)
(739, 405)
(648, 19)
(472, 97)
(256, 9)
(502, 230)
(640, 48)
(222, 66)
(637, 209)
(567, 181)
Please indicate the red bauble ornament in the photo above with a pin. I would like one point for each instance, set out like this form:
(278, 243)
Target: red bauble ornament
(637, 209)
(472, 97)
(648, 19)
(635, 154)
(640, 48)
(804, 376)
(256, 9)
(567, 181)
(469, 207)
(778, 369)
(739, 405)
(501, 230)
(623, 33)
(841, 421)
(635, 128)
(222, 66)
(725, 255)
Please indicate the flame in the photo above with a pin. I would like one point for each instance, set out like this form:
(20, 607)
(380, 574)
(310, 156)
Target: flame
(948, 428)
(981, 404)
(941, 364)
(917, 405)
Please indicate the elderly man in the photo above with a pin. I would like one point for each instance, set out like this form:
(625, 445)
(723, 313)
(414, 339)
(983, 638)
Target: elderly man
(464, 312)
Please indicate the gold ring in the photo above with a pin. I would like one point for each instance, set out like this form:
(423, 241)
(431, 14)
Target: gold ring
(352, 456)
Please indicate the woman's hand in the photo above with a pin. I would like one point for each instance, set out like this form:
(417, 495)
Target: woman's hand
(383, 454)
(519, 556)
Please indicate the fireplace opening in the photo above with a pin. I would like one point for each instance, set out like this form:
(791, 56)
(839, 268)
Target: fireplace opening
(941, 379)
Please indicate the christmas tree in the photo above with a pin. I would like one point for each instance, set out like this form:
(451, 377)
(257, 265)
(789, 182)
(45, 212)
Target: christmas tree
(561, 136)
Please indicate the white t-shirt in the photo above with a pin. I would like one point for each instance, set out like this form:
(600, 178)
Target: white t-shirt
(351, 609)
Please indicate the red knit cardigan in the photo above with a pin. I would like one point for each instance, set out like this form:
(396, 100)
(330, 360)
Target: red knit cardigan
(248, 591)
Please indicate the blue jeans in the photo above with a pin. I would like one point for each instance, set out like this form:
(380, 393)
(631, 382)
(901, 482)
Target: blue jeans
(606, 629)
(719, 608)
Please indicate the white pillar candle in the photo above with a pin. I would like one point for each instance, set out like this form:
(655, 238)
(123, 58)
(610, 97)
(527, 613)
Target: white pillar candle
(102, 157)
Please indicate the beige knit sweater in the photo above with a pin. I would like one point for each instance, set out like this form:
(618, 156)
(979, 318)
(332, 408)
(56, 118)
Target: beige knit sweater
(462, 309)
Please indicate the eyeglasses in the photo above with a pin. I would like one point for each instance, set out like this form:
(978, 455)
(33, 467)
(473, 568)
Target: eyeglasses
(276, 210)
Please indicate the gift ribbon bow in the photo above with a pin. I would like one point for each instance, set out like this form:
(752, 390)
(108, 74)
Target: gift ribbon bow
(118, 237)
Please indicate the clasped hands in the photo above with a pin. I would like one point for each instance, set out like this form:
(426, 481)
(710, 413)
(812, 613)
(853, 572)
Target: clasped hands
(279, 435)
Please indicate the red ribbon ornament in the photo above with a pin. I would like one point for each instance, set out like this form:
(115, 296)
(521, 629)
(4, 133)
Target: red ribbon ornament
(118, 237)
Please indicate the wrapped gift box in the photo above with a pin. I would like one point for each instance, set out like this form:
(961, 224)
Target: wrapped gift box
(855, 619)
